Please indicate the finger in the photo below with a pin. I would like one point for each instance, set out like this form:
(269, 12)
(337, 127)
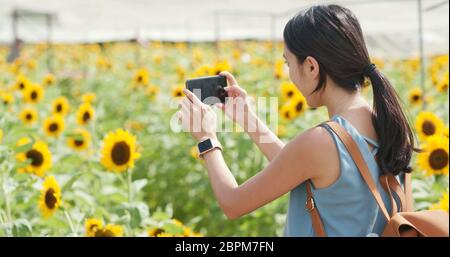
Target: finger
(179, 116)
(220, 106)
(230, 78)
(192, 97)
(186, 103)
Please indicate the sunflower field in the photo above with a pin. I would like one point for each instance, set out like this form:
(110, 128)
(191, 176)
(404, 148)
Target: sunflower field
(86, 146)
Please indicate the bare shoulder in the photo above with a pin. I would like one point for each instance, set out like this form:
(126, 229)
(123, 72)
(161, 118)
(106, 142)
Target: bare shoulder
(321, 158)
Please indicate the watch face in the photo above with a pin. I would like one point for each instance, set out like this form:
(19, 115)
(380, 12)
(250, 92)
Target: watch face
(205, 145)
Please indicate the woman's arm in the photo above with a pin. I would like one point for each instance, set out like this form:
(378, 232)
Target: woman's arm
(238, 109)
(299, 160)
(269, 144)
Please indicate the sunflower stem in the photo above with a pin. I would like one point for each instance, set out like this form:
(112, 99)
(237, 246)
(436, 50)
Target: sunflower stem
(69, 220)
(5, 176)
(130, 186)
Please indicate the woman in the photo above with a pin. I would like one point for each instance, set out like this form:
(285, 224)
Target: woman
(328, 62)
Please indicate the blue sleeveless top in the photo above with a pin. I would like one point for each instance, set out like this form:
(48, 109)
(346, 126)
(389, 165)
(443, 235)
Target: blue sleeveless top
(347, 207)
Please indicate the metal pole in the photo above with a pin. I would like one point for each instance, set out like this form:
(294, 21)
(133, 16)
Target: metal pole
(273, 19)
(421, 50)
(217, 30)
(49, 35)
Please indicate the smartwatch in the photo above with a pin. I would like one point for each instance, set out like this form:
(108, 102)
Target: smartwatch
(208, 145)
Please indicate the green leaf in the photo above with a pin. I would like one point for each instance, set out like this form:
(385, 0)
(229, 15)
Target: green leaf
(22, 228)
(25, 147)
(72, 180)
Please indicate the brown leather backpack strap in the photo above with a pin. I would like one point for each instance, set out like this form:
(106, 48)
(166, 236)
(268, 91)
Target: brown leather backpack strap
(384, 180)
(408, 193)
(313, 212)
(399, 191)
(357, 157)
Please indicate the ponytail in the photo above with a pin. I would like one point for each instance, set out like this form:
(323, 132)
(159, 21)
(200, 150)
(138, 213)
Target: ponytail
(395, 137)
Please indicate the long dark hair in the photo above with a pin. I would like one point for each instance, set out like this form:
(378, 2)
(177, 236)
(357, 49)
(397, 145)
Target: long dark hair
(333, 36)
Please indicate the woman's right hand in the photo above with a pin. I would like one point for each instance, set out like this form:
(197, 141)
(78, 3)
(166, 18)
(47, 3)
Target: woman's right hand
(237, 106)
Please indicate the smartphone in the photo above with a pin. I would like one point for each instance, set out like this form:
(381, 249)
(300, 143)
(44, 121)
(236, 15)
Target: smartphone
(210, 90)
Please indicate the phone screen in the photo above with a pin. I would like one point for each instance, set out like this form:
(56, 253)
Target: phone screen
(209, 90)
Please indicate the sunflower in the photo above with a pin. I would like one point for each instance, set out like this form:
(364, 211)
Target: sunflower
(154, 232)
(103, 63)
(299, 103)
(194, 152)
(48, 80)
(60, 106)
(181, 72)
(7, 99)
(152, 91)
(177, 91)
(33, 93)
(28, 115)
(442, 204)
(110, 230)
(141, 77)
(31, 64)
(219, 66)
(415, 96)
(428, 124)
(54, 125)
(50, 199)
(279, 67)
(92, 226)
(1, 135)
(39, 156)
(119, 151)
(165, 234)
(80, 140)
(85, 114)
(442, 86)
(287, 111)
(288, 90)
(434, 159)
(22, 82)
(88, 97)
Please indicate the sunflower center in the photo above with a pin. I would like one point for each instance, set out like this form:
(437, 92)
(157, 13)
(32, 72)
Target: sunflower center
(299, 107)
(290, 93)
(104, 233)
(178, 93)
(21, 85)
(34, 95)
(58, 108)
(120, 153)
(53, 127)
(78, 142)
(36, 157)
(139, 79)
(5, 102)
(415, 98)
(28, 116)
(428, 128)
(287, 115)
(438, 159)
(158, 231)
(86, 116)
(50, 199)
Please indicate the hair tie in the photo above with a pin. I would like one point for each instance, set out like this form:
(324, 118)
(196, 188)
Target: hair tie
(367, 71)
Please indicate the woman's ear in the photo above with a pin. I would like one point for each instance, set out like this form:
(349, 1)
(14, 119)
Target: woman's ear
(312, 67)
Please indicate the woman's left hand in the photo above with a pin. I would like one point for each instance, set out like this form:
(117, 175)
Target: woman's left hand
(197, 118)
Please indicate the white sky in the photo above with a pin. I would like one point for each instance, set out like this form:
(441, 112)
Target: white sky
(391, 27)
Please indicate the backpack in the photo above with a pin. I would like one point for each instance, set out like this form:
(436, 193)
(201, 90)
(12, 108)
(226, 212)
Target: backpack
(406, 222)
